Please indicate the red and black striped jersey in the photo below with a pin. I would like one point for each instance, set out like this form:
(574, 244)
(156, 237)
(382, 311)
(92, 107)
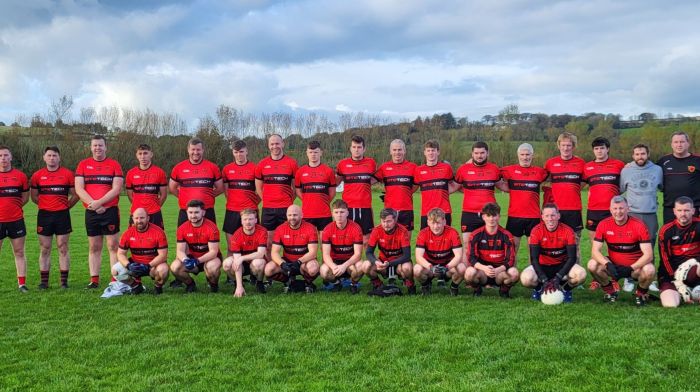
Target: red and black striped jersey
(398, 182)
(197, 238)
(492, 249)
(434, 184)
(143, 245)
(12, 184)
(98, 177)
(145, 185)
(315, 184)
(244, 244)
(53, 188)
(623, 240)
(524, 184)
(478, 184)
(566, 176)
(342, 241)
(196, 182)
(603, 179)
(439, 247)
(390, 244)
(552, 243)
(277, 176)
(676, 245)
(240, 182)
(357, 179)
(295, 242)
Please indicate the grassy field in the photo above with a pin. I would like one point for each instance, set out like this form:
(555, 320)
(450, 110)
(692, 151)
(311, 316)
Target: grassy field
(73, 340)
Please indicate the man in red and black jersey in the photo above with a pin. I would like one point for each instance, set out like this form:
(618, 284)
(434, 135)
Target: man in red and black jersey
(147, 185)
(603, 178)
(315, 187)
(552, 257)
(98, 182)
(524, 182)
(14, 194)
(491, 255)
(239, 185)
(342, 249)
(196, 178)
(357, 175)
(399, 184)
(629, 253)
(294, 248)
(681, 172)
(53, 190)
(478, 178)
(149, 254)
(436, 182)
(439, 254)
(394, 243)
(565, 174)
(274, 183)
(248, 246)
(679, 241)
(197, 249)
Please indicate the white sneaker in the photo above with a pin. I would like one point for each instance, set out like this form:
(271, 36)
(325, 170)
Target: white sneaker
(629, 285)
(654, 286)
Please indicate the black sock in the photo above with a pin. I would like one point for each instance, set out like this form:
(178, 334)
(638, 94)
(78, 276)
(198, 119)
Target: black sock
(44, 277)
(454, 285)
(64, 276)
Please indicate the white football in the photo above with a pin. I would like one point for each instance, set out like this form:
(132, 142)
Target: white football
(695, 293)
(552, 298)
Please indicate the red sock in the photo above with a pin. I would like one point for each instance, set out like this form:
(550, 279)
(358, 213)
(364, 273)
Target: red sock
(113, 279)
(376, 282)
(21, 280)
(95, 279)
(408, 283)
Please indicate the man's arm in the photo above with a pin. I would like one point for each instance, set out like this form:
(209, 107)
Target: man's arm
(81, 192)
(596, 253)
(404, 258)
(122, 256)
(162, 194)
(161, 258)
(259, 188)
(646, 257)
(117, 183)
(275, 254)
(259, 254)
(181, 250)
(25, 197)
(420, 258)
(73, 198)
(34, 194)
(173, 187)
(570, 261)
(369, 254)
(453, 187)
(356, 255)
(212, 254)
(311, 254)
(130, 195)
(326, 255)
(218, 187)
(458, 253)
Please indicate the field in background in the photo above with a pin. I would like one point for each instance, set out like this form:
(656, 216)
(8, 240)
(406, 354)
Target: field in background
(73, 340)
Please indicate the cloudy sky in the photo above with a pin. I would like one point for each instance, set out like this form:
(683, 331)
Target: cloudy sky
(396, 57)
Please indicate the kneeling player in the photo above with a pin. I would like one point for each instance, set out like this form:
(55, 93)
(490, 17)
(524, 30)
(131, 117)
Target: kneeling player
(394, 243)
(438, 254)
(149, 254)
(629, 253)
(248, 246)
(342, 248)
(679, 241)
(298, 242)
(197, 248)
(491, 255)
(553, 257)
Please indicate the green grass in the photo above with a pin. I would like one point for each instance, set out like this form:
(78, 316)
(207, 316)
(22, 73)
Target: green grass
(73, 340)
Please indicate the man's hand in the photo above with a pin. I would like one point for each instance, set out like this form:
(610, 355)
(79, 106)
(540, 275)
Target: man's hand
(612, 270)
(240, 292)
(381, 265)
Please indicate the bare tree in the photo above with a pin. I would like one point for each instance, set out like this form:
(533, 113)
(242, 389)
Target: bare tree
(60, 109)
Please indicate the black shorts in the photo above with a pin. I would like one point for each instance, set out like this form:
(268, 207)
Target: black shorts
(232, 221)
(156, 218)
(593, 217)
(424, 221)
(209, 213)
(14, 229)
(319, 223)
(572, 218)
(666, 283)
(623, 271)
(363, 217)
(273, 217)
(406, 219)
(521, 226)
(471, 221)
(49, 223)
(552, 270)
(102, 224)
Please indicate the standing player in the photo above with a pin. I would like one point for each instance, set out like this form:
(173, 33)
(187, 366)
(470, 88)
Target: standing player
(438, 254)
(315, 187)
(629, 253)
(197, 248)
(149, 254)
(524, 182)
(394, 243)
(553, 257)
(298, 242)
(436, 181)
(342, 249)
(15, 194)
(239, 184)
(491, 255)
(196, 178)
(681, 171)
(98, 182)
(248, 246)
(479, 178)
(679, 241)
(566, 174)
(53, 190)
(399, 183)
(147, 185)
(274, 183)
(357, 174)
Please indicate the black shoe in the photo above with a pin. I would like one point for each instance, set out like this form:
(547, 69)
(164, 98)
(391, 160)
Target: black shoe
(641, 300)
(260, 286)
(158, 290)
(64, 286)
(23, 288)
(478, 291)
(310, 288)
(412, 290)
(454, 291)
(441, 283)
(137, 289)
(611, 298)
(253, 280)
(337, 286)
(354, 289)
(176, 283)
(214, 288)
(92, 286)
(426, 289)
(191, 288)
(43, 286)
(230, 282)
(504, 294)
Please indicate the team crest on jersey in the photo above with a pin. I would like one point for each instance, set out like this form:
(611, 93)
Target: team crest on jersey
(39, 229)
(691, 169)
(111, 227)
